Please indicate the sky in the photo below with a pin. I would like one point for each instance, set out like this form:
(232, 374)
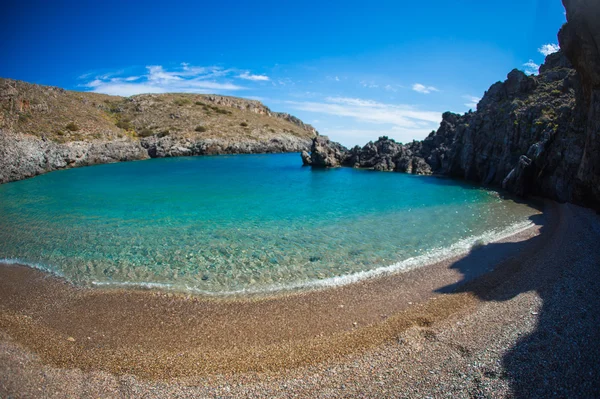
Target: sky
(355, 70)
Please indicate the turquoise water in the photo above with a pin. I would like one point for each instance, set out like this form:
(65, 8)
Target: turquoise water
(240, 223)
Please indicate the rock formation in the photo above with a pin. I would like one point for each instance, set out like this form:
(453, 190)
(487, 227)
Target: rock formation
(45, 128)
(537, 135)
(23, 156)
(580, 40)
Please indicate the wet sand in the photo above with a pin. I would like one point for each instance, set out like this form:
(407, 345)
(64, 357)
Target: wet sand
(190, 344)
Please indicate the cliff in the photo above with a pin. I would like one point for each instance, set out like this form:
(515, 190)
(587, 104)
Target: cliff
(45, 128)
(535, 135)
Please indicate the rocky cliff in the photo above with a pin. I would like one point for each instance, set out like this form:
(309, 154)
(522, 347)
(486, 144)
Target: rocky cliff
(45, 128)
(536, 135)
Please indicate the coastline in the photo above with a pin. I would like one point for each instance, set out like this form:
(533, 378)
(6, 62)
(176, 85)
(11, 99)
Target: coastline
(436, 255)
(122, 331)
(527, 329)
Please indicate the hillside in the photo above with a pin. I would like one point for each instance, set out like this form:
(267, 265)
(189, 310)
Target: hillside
(532, 135)
(44, 128)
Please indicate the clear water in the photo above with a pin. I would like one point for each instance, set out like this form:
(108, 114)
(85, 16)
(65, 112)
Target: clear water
(244, 223)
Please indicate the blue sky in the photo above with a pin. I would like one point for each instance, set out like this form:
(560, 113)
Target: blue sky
(355, 70)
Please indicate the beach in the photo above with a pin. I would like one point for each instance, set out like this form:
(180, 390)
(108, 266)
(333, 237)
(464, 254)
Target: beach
(514, 318)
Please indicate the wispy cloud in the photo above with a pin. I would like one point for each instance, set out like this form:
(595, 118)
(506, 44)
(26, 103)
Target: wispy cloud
(531, 67)
(419, 88)
(369, 85)
(256, 78)
(396, 116)
(472, 101)
(158, 79)
(548, 49)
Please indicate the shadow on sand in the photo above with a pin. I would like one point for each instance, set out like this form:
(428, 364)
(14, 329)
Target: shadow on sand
(561, 356)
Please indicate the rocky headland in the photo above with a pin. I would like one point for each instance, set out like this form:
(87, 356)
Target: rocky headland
(531, 135)
(45, 128)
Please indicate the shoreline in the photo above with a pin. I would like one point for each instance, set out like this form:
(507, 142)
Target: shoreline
(160, 335)
(435, 255)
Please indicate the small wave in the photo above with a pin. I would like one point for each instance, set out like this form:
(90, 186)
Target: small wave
(435, 255)
(33, 265)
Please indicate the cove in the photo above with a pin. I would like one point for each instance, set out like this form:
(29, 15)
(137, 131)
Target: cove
(223, 225)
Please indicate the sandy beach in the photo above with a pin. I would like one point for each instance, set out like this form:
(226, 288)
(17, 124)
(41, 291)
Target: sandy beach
(515, 318)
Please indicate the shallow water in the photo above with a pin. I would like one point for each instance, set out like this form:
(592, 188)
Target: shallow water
(244, 223)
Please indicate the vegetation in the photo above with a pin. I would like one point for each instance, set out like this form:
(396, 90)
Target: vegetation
(72, 127)
(145, 133)
(182, 101)
(124, 124)
(104, 117)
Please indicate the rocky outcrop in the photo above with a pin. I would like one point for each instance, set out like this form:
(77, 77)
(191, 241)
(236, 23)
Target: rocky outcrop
(535, 135)
(23, 156)
(579, 38)
(383, 155)
(325, 153)
(168, 146)
(44, 128)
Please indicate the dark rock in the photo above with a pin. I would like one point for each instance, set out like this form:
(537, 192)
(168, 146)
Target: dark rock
(325, 153)
(580, 40)
(537, 135)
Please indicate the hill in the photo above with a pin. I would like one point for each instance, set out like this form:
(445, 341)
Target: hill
(44, 128)
(531, 135)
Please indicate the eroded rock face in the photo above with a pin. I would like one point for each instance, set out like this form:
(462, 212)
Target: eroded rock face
(530, 134)
(579, 38)
(325, 153)
(23, 156)
(170, 146)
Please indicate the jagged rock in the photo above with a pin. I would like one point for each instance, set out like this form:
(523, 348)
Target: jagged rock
(580, 40)
(517, 180)
(174, 146)
(527, 134)
(325, 153)
(23, 156)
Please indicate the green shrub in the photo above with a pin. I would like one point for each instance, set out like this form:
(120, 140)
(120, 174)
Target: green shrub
(24, 117)
(163, 133)
(124, 124)
(71, 126)
(200, 129)
(182, 101)
(199, 103)
(145, 132)
(556, 92)
(244, 124)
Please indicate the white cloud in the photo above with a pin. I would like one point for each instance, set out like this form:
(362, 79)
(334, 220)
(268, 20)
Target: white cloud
(384, 119)
(184, 79)
(256, 78)
(548, 49)
(472, 101)
(337, 79)
(419, 88)
(531, 68)
(369, 85)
